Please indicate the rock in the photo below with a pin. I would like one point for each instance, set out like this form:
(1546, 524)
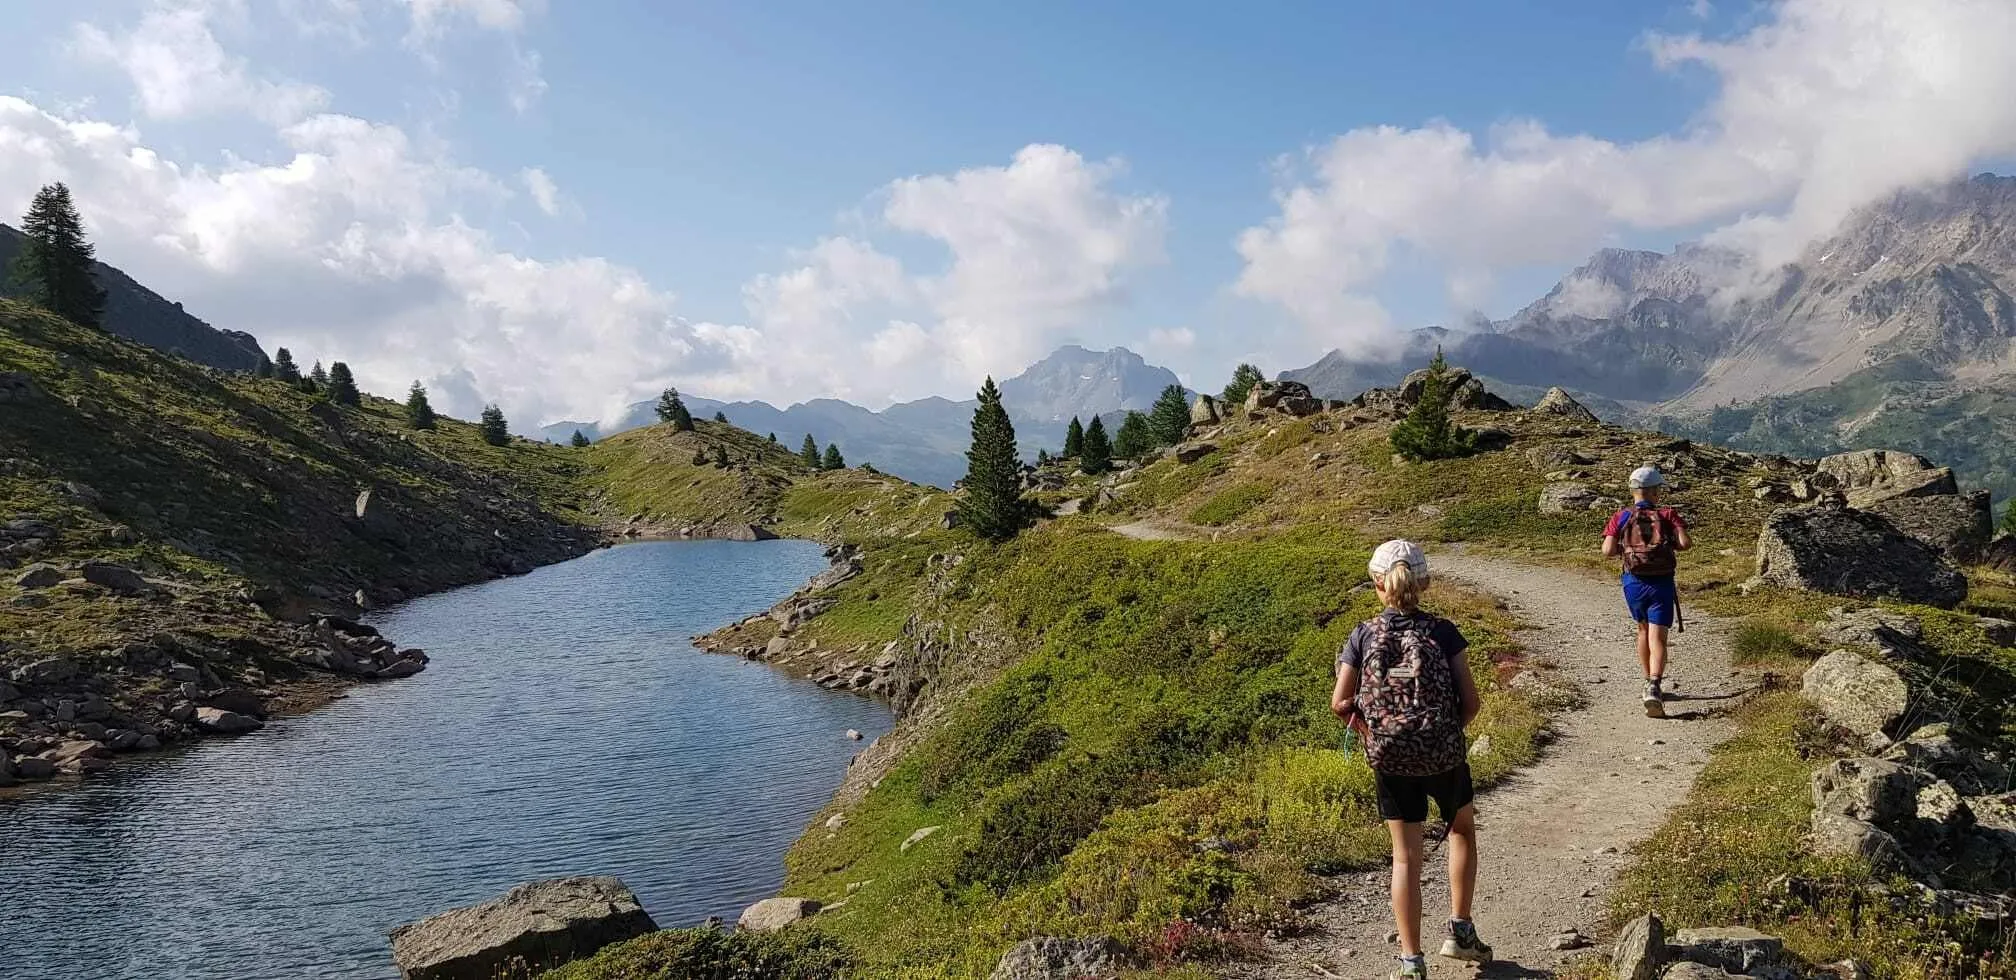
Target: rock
(1558, 401)
(32, 768)
(1562, 498)
(777, 647)
(951, 518)
(1204, 411)
(1855, 692)
(1269, 394)
(39, 576)
(2000, 632)
(1640, 949)
(1481, 747)
(1835, 835)
(1874, 628)
(1736, 949)
(836, 821)
(80, 756)
(532, 928)
(48, 672)
(1301, 406)
(1940, 807)
(1873, 475)
(1192, 452)
(225, 722)
(853, 736)
(745, 532)
(772, 914)
(237, 700)
(1052, 958)
(7, 777)
(1571, 939)
(1847, 552)
(1958, 526)
(917, 837)
(2000, 554)
(374, 520)
(1933, 749)
(118, 578)
(1685, 970)
(1871, 790)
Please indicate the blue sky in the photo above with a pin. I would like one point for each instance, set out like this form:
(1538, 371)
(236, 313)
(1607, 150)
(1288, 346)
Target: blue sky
(562, 206)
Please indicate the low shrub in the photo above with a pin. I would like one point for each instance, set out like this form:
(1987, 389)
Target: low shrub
(1231, 504)
(713, 954)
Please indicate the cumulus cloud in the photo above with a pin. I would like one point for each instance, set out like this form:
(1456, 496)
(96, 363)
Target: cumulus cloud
(1822, 106)
(179, 69)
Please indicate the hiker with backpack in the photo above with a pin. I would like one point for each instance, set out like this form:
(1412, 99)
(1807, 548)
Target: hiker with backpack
(1405, 689)
(1649, 539)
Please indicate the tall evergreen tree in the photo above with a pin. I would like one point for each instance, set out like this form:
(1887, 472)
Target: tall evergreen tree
(809, 452)
(419, 414)
(1427, 433)
(1135, 437)
(1244, 377)
(721, 417)
(721, 457)
(832, 460)
(1074, 439)
(57, 267)
(318, 375)
(773, 438)
(993, 507)
(492, 424)
(283, 367)
(1097, 457)
(1169, 420)
(672, 408)
(343, 386)
(579, 439)
(1042, 457)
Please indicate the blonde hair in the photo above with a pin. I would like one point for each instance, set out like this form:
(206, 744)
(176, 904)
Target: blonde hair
(1401, 587)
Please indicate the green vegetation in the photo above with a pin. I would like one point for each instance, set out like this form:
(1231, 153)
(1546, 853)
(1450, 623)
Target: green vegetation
(713, 954)
(492, 425)
(284, 368)
(419, 413)
(1134, 438)
(672, 409)
(1169, 420)
(1096, 455)
(809, 452)
(343, 386)
(578, 440)
(832, 460)
(1244, 377)
(721, 417)
(993, 507)
(1074, 439)
(1230, 504)
(56, 267)
(1427, 433)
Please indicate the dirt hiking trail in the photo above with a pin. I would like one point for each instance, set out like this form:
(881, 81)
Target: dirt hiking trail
(1552, 837)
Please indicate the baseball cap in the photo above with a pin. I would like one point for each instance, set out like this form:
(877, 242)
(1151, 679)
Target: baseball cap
(1398, 552)
(1646, 476)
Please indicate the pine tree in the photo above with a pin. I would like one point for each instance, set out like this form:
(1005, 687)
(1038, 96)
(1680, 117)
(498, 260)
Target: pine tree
(832, 459)
(1135, 437)
(1426, 433)
(773, 438)
(671, 408)
(579, 439)
(56, 268)
(809, 452)
(343, 386)
(721, 417)
(319, 376)
(419, 414)
(1042, 457)
(993, 507)
(492, 424)
(1098, 455)
(1244, 377)
(1169, 420)
(1074, 440)
(2009, 520)
(284, 369)
(721, 457)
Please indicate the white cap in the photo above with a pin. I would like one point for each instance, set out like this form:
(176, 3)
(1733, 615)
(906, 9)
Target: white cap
(1399, 552)
(1646, 476)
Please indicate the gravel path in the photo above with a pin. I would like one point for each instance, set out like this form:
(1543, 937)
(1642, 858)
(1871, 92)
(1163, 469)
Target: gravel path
(1147, 531)
(1553, 837)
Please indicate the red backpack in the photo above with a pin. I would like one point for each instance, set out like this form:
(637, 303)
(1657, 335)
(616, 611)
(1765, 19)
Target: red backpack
(1647, 540)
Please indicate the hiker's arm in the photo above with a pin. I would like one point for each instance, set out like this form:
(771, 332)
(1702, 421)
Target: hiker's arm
(1609, 546)
(1467, 686)
(1681, 539)
(1344, 697)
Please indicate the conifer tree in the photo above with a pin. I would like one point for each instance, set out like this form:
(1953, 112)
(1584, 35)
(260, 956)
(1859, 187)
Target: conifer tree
(56, 268)
(832, 459)
(419, 414)
(284, 369)
(1074, 439)
(773, 438)
(1244, 377)
(671, 408)
(579, 439)
(492, 424)
(319, 376)
(1097, 457)
(721, 457)
(1169, 420)
(1426, 433)
(343, 386)
(809, 452)
(1042, 457)
(1135, 437)
(721, 417)
(993, 507)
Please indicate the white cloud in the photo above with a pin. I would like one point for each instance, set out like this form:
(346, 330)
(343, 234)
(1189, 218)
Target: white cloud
(179, 69)
(545, 193)
(1166, 342)
(1701, 9)
(503, 16)
(1824, 105)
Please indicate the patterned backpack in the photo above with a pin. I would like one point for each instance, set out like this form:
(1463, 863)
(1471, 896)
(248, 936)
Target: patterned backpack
(1648, 546)
(1408, 697)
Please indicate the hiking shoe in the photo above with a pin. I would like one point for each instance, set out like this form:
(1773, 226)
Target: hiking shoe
(1655, 702)
(1463, 944)
(1410, 968)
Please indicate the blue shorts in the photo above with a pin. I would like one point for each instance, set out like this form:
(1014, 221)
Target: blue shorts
(1652, 599)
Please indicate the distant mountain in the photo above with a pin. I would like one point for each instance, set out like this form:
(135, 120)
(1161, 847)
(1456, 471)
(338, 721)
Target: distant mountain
(137, 313)
(926, 440)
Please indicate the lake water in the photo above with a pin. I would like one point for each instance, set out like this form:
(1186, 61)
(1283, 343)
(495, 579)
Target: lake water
(565, 726)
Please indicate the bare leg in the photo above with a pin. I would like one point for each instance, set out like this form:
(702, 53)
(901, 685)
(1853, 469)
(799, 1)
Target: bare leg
(1462, 861)
(1407, 884)
(1645, 649)
(1654, 637)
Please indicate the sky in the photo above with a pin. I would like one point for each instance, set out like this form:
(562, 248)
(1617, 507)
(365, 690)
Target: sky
(565, 207)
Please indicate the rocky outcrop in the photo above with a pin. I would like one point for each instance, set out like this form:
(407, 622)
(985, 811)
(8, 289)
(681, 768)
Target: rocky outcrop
(1856, 692)
(1566, 497)
(117, 578)
(226, 722)
(1959, 526)
(772, 914)
(1640, 949)
(1052, 958)
(1265, 395)
(532, 928)
(1734, 949)
(1558, 401)
(1871, 476)
(352, 648)
(746, 532)
(1848, 552)
(1204, 411)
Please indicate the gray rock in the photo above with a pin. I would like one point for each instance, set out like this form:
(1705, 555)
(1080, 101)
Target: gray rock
(1856, 692)
(917, 837)
(1934, 749)
(532, 928)
(1735, 949)
(1847, 552)
(1269, 394)
(33, 768)
(1301, 406)
(1685, 970)
(118, 578)
(225, 722)
(1873, 475)
(1192, 452)
(1873, 628)
(1940, 807)
(7, 777)
(1640, 949)
(746, 532)
(1959, 526)
(238, 700)
(1052, 958)
(49, 672)
(1204, 411)
(1836, 835)
(39, 576)
(1558, 401)
(2000, 632)
(1871, 790)
(1562, 498)
(772, 914)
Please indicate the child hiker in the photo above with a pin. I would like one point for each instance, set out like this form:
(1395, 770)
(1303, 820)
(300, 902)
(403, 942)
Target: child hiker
(1405, 688)
(1649, 538)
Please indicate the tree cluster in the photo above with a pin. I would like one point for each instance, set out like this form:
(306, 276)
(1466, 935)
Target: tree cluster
(1427, 432)
(671, 408)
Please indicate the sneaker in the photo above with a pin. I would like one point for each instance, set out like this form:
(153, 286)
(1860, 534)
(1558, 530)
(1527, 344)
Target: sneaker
(1655, 702)
(1411, 968)
(1463, 943)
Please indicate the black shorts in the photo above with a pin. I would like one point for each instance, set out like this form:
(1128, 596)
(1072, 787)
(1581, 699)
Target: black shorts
(1405, 798)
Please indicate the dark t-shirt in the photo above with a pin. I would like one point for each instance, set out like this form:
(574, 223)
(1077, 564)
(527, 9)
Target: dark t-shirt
(1445, 634)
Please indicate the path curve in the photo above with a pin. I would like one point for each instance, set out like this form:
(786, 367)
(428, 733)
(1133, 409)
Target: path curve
(1552, 837)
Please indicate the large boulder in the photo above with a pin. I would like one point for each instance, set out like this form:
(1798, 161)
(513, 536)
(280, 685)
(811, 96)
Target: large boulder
(1958, 525)
(117, 578)
(1847, 552)
(1051, 958)
(39, 576)
(2000, 554)
(1204, 411)
(1270, 394)
(1194, 451)
(772, 914)
(1873, 475)
(1558, 401)
(225, 722)
(1640, 949)
(1837, 835)
(533, 928)
(1870, 790)
(1562, 498)
(746, 532)
(1856, 692)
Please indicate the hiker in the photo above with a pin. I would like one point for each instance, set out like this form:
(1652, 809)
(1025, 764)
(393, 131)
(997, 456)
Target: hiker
(1404, 686)
(1649, 539)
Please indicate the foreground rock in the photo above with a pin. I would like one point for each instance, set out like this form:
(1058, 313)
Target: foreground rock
(226, 722)
(1856, 692)
(1640, 949)
(1051, 958)
(534, 927)
(1848, 552)
(1959, 526)
(118, 578)
(1558, 401)
(772, 914)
